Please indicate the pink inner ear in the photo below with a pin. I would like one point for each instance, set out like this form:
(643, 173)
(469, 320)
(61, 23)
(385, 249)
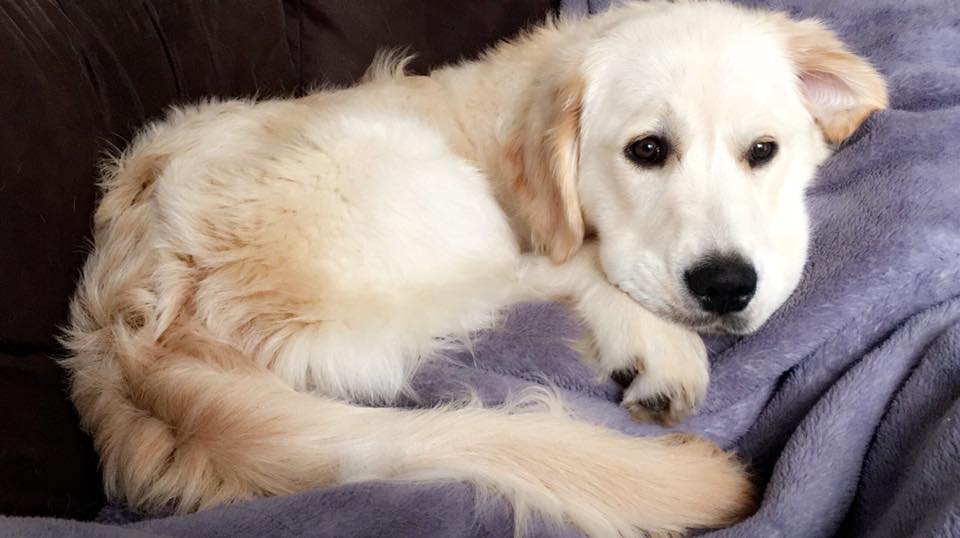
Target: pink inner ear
(827, 92)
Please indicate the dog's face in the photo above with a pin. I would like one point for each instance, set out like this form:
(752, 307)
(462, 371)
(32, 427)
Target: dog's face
(692, 172)
(699, 127)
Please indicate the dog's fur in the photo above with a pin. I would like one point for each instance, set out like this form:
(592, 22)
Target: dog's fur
(257, 264)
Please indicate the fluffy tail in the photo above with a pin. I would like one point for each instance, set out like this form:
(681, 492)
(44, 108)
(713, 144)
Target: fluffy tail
(191, 434)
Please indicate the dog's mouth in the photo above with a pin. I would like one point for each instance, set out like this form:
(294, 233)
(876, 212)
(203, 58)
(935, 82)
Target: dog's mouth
(739, 323)
(702, 322)
(735, 324)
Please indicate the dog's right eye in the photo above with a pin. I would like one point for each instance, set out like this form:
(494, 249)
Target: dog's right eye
(648, 152)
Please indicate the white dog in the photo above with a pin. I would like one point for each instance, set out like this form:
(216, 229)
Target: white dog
(259, 264)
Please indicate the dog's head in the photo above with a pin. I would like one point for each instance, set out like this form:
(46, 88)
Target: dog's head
(684, 135)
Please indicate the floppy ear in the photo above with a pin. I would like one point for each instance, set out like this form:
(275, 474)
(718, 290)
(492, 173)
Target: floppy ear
(546, 154)
(841, 88)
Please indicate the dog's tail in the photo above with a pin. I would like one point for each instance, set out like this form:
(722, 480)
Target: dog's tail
(191, 434)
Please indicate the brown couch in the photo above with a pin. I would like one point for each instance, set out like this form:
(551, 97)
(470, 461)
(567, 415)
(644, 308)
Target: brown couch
(79, 77)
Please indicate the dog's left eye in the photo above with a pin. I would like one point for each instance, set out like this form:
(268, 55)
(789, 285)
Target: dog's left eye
(648, 152)
(761, 152)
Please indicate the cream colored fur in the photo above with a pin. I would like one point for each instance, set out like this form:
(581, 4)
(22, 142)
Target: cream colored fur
(257, 265)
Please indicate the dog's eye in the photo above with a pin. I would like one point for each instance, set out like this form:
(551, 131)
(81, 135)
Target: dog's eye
(650, 151)
(761, 152)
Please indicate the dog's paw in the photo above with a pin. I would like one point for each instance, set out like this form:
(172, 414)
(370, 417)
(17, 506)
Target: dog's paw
(668, 385)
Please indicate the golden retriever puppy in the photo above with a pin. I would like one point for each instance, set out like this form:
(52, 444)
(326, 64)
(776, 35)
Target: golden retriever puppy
(258, 265)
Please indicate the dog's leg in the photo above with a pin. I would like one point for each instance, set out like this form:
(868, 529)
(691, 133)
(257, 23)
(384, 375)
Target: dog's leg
(662, 365)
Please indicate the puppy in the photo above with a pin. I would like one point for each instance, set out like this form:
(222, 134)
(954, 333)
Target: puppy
(259, 264)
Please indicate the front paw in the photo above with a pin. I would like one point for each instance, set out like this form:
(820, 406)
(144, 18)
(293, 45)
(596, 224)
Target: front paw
(667, 384)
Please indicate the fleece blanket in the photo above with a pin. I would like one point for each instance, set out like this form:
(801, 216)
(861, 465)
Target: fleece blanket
(846, 404)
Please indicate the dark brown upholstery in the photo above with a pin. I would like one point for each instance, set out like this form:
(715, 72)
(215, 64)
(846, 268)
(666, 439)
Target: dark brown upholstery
(78, 78)
(47, 465)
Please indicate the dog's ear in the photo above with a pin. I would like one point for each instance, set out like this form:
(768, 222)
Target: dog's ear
(546, 154)
(841, 88)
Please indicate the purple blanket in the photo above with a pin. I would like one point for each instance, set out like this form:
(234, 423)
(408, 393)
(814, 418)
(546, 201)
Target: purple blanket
(846, 404)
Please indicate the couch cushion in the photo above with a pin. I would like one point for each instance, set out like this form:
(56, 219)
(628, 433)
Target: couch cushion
(88, 73)
(340, 38)
(47, 464)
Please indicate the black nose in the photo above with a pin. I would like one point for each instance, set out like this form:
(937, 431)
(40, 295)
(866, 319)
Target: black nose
(722, 285)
